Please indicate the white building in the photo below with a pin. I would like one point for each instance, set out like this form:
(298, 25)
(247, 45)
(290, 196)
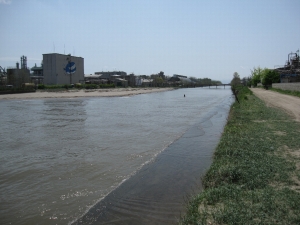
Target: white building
(62, 69)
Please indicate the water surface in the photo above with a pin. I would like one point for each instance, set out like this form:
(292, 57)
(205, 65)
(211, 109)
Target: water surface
(60, 157)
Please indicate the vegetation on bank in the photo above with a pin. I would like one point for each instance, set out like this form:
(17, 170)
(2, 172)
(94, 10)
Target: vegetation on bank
(287, 92)
(265, 76)
(204, 81)
(254, 177)
(10, 89)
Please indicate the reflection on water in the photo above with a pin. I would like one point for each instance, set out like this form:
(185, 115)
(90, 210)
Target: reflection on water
(59, 157)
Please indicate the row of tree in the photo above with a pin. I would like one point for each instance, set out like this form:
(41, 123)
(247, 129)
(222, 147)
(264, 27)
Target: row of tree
(205, 81)
(264, 76)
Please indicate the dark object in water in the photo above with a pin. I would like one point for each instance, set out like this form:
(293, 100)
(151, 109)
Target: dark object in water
(184, 95)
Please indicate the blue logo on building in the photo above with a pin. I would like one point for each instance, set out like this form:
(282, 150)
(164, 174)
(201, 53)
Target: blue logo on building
(70, 68)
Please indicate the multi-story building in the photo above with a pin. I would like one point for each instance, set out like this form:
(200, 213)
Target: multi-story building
(62, 69)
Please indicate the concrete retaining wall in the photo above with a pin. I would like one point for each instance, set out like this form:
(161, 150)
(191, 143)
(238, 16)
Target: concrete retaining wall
(287, 86)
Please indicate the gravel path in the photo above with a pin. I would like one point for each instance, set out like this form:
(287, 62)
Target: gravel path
(290, 104)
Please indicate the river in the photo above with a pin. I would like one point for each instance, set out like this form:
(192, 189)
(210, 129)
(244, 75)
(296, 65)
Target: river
(113, 160)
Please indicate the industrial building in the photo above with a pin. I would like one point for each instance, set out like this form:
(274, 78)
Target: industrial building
(17, 76)
(290, 72)
(37, 74)
(180, 79)
(62, 69)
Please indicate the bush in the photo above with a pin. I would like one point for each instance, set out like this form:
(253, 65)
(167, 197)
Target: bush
(90, 86)
(78, 85)
(41, 86)
(107, 85)
(54, 86)
(67, 86)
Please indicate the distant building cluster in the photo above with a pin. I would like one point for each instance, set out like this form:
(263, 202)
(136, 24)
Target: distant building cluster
(61, 69)
(55, 69)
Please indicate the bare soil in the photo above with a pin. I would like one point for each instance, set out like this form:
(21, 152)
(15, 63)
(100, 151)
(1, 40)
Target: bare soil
(287, 103)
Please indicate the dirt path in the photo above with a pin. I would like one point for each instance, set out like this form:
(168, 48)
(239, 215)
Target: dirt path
(290, 104)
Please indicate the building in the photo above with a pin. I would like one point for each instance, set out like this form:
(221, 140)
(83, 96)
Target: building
(3, 76)
(111, 73)
(180, 79)
(94, 79)
(290, 72)
(62, 69)
(119, 82)
(144, 82)
(130, 79)
(17, 76)
(37, 74)
(37, 70)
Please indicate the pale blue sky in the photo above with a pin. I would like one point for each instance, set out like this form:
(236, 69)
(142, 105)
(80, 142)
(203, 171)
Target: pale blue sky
(191, 37)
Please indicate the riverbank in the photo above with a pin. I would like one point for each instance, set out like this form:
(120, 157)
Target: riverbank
(112, 92)
(255, 177)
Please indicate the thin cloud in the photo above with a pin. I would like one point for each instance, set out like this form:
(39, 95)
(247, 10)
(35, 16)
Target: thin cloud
(5, 2)
(8, 59)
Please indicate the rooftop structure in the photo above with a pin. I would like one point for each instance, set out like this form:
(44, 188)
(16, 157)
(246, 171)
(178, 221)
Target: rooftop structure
(37, 70)
(290, 72)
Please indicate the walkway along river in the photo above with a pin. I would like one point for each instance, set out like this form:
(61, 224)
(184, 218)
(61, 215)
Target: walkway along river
(114, 160)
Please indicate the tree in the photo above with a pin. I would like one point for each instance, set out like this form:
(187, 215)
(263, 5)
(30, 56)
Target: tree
(256, 76)
(158, 81)
(236, 80)
(269, 77)
(235, 84)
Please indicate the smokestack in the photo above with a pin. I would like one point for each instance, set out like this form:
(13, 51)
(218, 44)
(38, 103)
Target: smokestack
(17, 65)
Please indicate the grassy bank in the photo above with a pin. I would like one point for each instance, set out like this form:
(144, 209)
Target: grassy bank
(287, 92)
(255, 177)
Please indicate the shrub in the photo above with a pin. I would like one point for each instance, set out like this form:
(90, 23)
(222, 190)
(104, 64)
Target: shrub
(41, 86)
(107, 85)
(78, 85)
(90, 86)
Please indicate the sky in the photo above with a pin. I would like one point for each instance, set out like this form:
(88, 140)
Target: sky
(194, 38)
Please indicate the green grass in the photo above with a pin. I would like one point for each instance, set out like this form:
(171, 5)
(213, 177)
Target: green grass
(253, 178)
(287, 92)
